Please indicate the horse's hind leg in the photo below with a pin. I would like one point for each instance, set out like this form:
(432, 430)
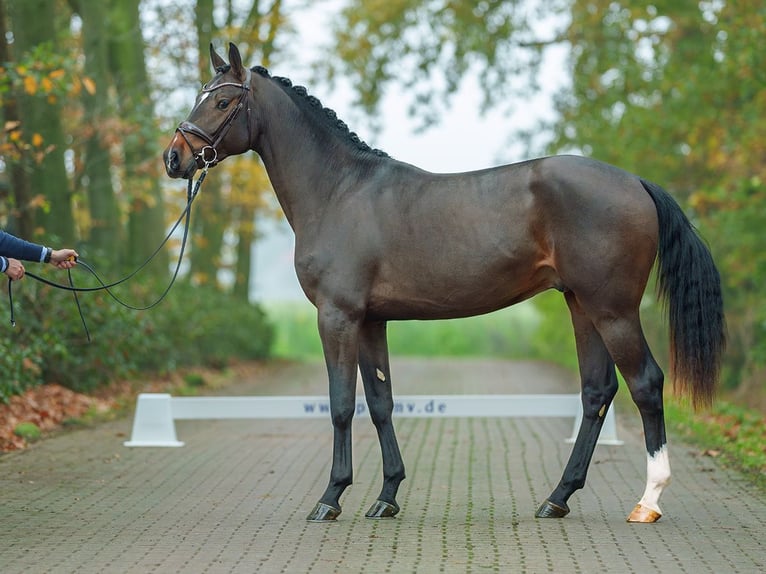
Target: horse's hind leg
(376, 375)
(599, 385)
(627, 345)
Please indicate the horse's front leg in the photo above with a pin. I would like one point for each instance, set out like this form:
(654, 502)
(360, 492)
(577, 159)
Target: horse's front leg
(339, 332)
(376, 374)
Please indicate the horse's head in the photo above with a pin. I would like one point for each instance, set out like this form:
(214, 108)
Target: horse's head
(215, 128)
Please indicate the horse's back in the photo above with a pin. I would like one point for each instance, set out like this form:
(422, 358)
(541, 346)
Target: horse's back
(527, 209)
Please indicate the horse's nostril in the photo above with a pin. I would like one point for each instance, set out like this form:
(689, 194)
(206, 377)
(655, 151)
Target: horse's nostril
(173, 160)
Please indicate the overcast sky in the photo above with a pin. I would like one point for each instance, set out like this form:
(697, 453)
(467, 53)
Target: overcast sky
(463, 139)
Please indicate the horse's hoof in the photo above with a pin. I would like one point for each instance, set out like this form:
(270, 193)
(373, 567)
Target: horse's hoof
(643, 514)
(323, 513)
(381, 509)
(550, 510)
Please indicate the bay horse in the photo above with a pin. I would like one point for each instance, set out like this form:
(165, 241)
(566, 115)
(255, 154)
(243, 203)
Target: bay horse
(379, 240)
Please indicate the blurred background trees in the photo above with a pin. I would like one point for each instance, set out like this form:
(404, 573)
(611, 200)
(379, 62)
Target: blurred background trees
(91, 90)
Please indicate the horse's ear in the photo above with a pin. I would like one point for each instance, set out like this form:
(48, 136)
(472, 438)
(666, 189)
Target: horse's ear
(215, 59)
(236, 61)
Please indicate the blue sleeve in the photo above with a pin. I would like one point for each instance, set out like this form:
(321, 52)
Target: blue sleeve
(12, 246)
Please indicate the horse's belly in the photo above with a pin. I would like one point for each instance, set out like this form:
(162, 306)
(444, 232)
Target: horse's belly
(430, 296)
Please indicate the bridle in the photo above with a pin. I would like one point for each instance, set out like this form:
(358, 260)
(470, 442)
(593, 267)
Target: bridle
(208, 154)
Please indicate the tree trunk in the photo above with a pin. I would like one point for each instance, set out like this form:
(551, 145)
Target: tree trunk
(106, 235)
(33, 24)
(211, 217)
(146, 219)
(22, 217)
(243, 265)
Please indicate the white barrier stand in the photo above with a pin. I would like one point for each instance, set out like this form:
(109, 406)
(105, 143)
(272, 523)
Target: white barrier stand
(153, 424)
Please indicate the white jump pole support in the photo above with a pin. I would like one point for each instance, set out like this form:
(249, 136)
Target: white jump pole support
(153, 422)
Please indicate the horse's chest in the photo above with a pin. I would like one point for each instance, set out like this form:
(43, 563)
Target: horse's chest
(333, 270)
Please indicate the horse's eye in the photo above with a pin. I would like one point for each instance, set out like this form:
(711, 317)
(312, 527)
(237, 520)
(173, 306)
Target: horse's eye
(222, 104)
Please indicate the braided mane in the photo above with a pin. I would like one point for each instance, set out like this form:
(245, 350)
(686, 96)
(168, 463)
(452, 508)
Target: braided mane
(313, 103)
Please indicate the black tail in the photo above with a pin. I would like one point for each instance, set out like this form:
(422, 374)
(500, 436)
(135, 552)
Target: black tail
(690, 285)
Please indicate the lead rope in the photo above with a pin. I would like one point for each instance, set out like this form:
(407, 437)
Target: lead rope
(76, 300)
(185, 216)
(77, 303)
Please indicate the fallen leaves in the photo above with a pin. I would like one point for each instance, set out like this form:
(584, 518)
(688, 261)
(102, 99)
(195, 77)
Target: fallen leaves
(47, 407)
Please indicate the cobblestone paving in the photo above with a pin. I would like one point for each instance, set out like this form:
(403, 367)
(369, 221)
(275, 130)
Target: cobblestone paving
(234, 499)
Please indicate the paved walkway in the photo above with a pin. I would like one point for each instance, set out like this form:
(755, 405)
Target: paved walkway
(234, 499)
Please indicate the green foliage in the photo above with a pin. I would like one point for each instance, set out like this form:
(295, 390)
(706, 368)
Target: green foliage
(193, 326)
(21, 366)
(554, 338)
(28, 431)
(42, 72)
(296, 334)
(429, 46)
(194, 380)
(509, 333)
(734, 433)
(735, 216)
(504, 333)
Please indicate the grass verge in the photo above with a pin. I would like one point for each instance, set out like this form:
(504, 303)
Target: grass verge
(733, 434)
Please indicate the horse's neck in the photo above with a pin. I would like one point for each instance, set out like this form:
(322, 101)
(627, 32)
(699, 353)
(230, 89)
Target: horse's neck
(304, 170)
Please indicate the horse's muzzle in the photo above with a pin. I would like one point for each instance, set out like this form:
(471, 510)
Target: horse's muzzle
(175, 166)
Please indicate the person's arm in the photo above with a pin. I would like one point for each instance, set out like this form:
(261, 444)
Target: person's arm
(16, 248)
(12, 249)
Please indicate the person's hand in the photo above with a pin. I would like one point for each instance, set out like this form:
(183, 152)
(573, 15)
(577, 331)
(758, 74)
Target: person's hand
(64, 258)
(15, 269)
